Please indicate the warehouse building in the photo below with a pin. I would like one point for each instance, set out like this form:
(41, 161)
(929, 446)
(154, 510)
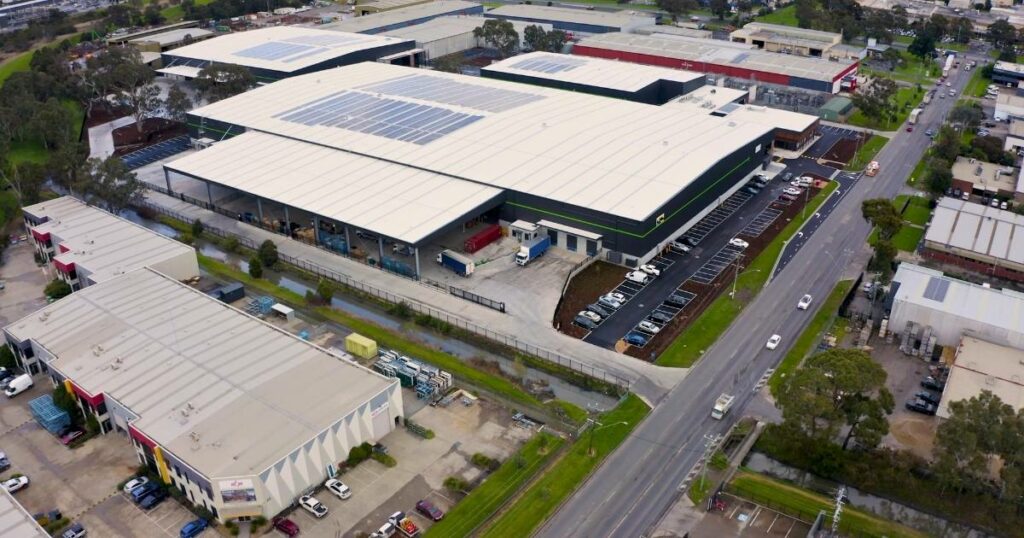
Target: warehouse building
(681, 31)
(1009, 106)
(15, 14)
(622, 80)
(449, 35)
(979, 366)
(88, 245)
(979, 238)
(954, 307)
(985, 179)
(15, 521)
(734, 60)
(386, 21)
(1008, 73)
(124, 38)
(427, 152)
(372, 7)
(793, 131)
(278, 52)
(238, 415)
(787, 39)
(575, 22)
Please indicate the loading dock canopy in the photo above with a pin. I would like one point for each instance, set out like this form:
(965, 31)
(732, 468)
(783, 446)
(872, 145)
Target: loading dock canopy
(569, 230)
(392, 200)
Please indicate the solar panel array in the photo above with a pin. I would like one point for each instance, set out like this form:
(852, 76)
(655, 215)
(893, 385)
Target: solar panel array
(274, 50)
(327, 40)
(449, 92)
(390, 118)
(549, 65)
(936, 289)
(296, 48)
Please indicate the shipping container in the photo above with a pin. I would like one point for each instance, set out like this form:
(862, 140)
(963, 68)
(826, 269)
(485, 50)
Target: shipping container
(360, 346)
(482, 238)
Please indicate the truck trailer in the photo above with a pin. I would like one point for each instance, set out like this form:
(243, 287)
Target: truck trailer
(532, 250)
(722, 406)
(461, 265)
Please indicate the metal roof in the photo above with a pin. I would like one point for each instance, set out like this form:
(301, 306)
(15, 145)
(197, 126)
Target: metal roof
(598, 72)
(1010, 67)
(984, 175)
(664, 29)
(226, 392)
(720, 100)
(280, 48)
(611, 19)
(100, 242)
(977, 228)
(777, 33)
(15, 521)
(436, 29)
(374, 22)
(610, 155)
(982, 365)
(173, 36)
(396, 201)
(710, 98)
(719, 53)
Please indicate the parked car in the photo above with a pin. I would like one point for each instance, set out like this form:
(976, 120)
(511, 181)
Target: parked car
(338, 488)
(584, 322)
(931, 383)
(69, 437)
(650, 269)
(737, 242)
(193, 528)
(929, 397)
(597, 309)
(142, 491)
(804, 302)
(4, 462)
(589, 315)
(647, 327)
(428, 509)
(920, 406)
(134, 483)
(930, 133)
(76, 530)
(752, 189)
(1004, 205)
(773, 342)
(616, 295)
(787, 176)
(634, 338)
(639, 277)
(153, 499)
(792, 191)
(910, 128)
(15, 484)
(313, 506)
(609, 302)
(676, 300)
(690, 240)
(786, 196)
(680, 246)
(659, 317)
(286, 526)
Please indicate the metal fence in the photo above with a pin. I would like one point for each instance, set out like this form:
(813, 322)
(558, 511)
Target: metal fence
(418, 307)
(478, 299)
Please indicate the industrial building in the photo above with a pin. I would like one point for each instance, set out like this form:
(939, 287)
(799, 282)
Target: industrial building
(123, 38)
(793, 131)
(952, 307)
(979, 238)
(15, 521)
(682, 31)
(622, 80)
(406, 155)
(371, 7)
(983, 366)
(238, 415)
(1008, 73)
(577, 22)
(278, 52)
(1009, 106)
(790, 40)
(88, 245)
(449, 35)
(734, 60)
(385, 21)
(984, 178)
(15, 14)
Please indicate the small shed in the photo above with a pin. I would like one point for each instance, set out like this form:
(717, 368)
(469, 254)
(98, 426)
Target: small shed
(360, 346)
(285, 312)
(48, 415)
(835, 108)
(230, 293)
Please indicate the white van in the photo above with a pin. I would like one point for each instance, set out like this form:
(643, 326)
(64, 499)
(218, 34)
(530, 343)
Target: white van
(639, 277)
(18, 385)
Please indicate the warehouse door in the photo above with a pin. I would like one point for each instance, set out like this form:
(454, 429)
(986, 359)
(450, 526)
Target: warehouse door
(570, 242)
(591, 248)
(553, 234)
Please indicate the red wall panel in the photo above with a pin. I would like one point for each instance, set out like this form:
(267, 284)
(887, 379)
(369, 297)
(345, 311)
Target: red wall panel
(675, 63)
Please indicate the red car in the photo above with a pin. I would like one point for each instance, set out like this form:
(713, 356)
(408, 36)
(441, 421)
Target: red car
(286, 526)
(428, 509)
(69, 436)
(910, 129)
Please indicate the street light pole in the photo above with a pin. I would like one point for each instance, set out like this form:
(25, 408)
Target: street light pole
(590, 443)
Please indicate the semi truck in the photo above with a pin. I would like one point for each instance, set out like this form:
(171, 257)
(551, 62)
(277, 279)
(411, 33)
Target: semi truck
(722, 406)
(915, 115)
(458, 263)
(532, 249)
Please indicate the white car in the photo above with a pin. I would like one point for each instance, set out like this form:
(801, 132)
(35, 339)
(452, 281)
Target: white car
(680, 246)
(16, 484)
(639, 277)
(793, 191)
(616, 296)
(805, 301)
(592, 316)
(336, 487)
(651, 270)
(313, 506)
(648, 327)
(773, 342)
(949, 84)
(737, 242)
(134, 483)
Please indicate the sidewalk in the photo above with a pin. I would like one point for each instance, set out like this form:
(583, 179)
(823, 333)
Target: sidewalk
(648, 381)
(101, 137)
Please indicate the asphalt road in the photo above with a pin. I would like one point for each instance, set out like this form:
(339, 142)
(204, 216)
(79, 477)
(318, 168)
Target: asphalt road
(846, 181)
(638, 483)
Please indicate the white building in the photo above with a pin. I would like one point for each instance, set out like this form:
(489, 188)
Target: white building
(981, 365)
(240, 416)
(448, 35)
(15, 521)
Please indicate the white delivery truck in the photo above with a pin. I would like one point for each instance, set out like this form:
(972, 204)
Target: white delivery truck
(18, 385)
(722, 406)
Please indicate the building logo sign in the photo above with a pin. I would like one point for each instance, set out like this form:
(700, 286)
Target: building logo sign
(237, 491)
(378, 411)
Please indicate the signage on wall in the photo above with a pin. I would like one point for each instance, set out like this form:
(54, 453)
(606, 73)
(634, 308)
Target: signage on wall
(237, 491)
(661, 219)
(378, 411)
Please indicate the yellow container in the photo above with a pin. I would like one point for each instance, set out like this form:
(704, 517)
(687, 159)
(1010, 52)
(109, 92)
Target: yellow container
(360, 346)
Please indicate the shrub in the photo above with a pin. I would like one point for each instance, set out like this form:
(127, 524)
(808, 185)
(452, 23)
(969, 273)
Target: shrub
(53, 526)
(386, 459)
(7, 359)
(484, 462)
(359, 454)
(57, 289)
(455, 484)
(197, 228)
(268, 253)
(255, 267)
(325, 290)
(230, 244)
(719, 461)
(187, 238)
(402, 310)
(92, 425)
(438, 325)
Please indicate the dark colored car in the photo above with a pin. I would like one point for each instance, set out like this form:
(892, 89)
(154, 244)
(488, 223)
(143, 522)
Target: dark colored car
(659, 317)
(636, 339)
(76, 530)
(285, 525)
(599, 310)
(931, 383)
(69, 436)
(676, 300)
(585, 322)
(920, 406)
(143, 491)
(690, 241)
(428, 509)
(928, 397)
(153, 499)
(752, 189)
(193, 528)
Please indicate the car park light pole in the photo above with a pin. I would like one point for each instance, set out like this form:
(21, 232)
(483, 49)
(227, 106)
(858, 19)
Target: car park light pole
(736, 277)
(595, 426)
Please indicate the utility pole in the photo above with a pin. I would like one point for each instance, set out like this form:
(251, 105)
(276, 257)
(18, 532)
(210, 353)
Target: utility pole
(838, 512)
(807, 198)
(736, 275)
(709, 445)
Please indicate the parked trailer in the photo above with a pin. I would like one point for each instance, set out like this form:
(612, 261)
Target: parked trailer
(482, 238)
(461, 265)
(532, 249)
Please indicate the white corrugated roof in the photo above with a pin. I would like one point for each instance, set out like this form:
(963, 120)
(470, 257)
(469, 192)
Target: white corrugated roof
(15, 521)
(435, 29)
(280, 48)
(185, 71)
(982, 365)
(598, 72)
(611, 19)
(397, 201)
(373, 22)
(609, 155)
(171, 37)
(187, 364)
(977, 228)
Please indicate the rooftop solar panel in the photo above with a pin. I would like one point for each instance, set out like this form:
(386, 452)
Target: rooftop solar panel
(450, 92)
(378, 116)
(549, 65)
(936, 289)
(273, 50)
(326, 40)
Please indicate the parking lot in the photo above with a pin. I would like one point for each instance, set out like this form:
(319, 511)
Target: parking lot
(830, 134)
(907, 429)
(156, 152)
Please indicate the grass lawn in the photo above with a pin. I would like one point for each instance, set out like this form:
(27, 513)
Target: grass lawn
(541, 499)
(15, 64)
(867, 152)
(907, 238)
(23, 151)
(917, 174)
(790, 498)
(497, 488)
(913, 71)
(917, 212)
(906, 100)
(687, 348)
(978, 84)
(176, 13)
(786, 16)
(809, 338)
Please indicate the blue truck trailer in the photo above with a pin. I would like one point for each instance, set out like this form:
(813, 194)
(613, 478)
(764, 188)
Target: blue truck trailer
(461, 265)
(532, 249)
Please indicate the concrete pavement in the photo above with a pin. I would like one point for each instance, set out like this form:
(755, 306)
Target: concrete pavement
(638, 483)
(101, 137)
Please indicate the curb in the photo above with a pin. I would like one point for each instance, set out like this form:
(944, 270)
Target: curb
(771, 275)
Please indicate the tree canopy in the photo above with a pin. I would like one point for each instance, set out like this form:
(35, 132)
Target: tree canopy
(220, 81)
(499, 34)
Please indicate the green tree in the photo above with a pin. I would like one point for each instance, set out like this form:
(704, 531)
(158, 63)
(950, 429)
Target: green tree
(893, 57)
(947, 144)
(962, 30)
(923, 45)
(676, 8)
(499, 34)
(268, 253)
(63, 400)
(52, 124)
(197, 228)
(451, 63)
(938, 177)
(152, 15)
(177, 103)
(112, 184)
(534, 36)
(720, 8)
(883, 215)
(220, 81)
(976, 429)
(884, 255)
(255, 267)
(325, 291)
(7, 359)
(876, 99)
(1002, 34)
(966, 115)
(57, 289)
